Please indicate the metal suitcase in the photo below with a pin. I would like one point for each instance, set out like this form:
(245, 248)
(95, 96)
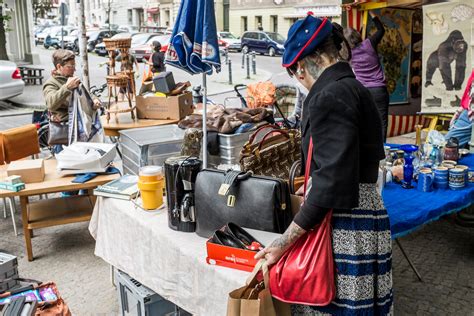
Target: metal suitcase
(230, 146)
(149, 146)
(8, 272)
(137, 299)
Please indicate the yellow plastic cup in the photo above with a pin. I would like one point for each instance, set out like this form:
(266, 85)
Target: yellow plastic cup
(151, 183)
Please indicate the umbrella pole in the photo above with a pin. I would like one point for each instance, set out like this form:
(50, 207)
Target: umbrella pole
(204, 120)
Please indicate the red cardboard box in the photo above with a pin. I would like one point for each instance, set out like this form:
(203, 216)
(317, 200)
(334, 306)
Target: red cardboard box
(230, 257)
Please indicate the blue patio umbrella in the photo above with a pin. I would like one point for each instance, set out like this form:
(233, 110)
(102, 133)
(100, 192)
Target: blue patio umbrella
(194, 47)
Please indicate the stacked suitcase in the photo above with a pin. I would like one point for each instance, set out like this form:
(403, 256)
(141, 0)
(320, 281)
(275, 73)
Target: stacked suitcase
(8, 272)
(149, 146)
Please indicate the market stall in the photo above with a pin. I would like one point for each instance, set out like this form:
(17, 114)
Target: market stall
(426, 74)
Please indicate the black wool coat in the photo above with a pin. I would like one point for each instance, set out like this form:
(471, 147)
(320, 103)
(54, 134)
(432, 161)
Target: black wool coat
(341, 117)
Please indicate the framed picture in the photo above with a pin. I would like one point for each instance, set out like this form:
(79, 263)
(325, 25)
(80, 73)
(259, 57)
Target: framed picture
(447, 51)
(395, 51)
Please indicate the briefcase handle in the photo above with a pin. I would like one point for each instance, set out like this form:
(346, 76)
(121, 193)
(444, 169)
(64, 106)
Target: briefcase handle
(230, 178)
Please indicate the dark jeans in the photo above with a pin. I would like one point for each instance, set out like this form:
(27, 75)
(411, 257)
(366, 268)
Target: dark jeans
(381, 99)
(57, 149)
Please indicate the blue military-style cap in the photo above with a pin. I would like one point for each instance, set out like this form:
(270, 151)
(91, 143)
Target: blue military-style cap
(303, 38)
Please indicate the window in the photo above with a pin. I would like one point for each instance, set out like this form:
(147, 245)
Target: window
(129, 13)
(276, 37)
(274, 23)
(226, 15)
(252, 35)
(258, 22)
(244, 24)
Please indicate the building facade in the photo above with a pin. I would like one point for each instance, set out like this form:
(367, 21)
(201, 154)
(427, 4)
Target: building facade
(20, 39)
(277, 15)
(164, 12)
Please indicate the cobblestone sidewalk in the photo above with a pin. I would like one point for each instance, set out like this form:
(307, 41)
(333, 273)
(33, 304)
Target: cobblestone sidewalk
(442, 251)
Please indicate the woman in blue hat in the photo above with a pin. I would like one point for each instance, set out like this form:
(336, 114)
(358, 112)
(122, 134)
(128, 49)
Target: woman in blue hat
(341, 118)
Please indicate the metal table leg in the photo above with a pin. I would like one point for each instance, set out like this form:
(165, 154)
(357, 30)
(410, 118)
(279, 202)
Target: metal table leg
(408, 259)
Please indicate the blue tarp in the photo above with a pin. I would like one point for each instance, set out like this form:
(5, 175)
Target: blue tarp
(408, 209)
(194, 46)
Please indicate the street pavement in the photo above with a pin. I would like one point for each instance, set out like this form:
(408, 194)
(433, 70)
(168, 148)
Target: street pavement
(442, 251)
(268, 68)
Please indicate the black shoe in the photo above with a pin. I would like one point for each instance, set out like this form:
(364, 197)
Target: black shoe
(223, 238)
(456, 103)
(242, 235)
(433, 102)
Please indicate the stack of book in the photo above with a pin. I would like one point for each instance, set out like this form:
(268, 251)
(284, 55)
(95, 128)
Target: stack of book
(124, 188)
(12, 183)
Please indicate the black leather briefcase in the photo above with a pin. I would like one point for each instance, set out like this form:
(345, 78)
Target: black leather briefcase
(256, 202)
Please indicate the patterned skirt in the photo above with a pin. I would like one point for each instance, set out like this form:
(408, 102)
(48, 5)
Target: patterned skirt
(363, 257)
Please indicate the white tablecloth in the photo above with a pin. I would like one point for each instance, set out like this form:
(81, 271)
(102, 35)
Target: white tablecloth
(171, 263)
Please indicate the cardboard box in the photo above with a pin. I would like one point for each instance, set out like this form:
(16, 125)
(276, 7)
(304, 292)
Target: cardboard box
(30, 171)
(235, 258)
(164, 108)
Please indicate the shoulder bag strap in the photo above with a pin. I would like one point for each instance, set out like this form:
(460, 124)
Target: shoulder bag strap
(308, 165)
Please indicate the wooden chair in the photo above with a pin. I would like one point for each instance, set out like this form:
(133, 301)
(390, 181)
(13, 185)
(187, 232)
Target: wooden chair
(11, 202)
(18, 143)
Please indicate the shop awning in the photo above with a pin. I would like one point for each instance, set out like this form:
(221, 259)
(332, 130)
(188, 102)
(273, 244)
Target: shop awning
(323, 10)
(153, 10)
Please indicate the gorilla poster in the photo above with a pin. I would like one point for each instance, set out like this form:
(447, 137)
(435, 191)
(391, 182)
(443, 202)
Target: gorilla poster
(446, 55)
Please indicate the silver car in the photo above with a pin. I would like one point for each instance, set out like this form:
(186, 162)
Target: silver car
(11, 83)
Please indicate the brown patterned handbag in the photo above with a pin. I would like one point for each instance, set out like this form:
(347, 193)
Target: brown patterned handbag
(274, 154)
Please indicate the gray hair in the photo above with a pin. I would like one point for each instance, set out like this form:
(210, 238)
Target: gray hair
(313, 64)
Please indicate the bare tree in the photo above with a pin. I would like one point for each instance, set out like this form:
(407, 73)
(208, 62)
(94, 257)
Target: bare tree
(108, 9)
(41, 8)
(4, 18)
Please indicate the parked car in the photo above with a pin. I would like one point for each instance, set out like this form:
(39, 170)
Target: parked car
(229, 41)
(131, 29)
(144, 51)
(154, 29)
(263, 42)
(100, 48)
(46, 31)
(11, 83)
(54, 39)
(98, 37)
(70, 39)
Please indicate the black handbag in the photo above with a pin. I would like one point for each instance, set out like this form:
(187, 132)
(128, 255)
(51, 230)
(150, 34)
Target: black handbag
(256, 202)
(58, 133)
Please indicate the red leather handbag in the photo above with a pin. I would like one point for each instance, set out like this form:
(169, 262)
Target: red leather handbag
(305, 274)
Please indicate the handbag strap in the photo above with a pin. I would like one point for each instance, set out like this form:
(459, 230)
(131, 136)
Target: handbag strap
(308, 165)
(270, 133)
(306, 177)
(254, 135)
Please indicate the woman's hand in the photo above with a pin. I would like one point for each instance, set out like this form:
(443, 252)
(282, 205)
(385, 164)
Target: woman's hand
(271, 254)
(73, 82)
(300, 191)
(277, 248)
(97, 104)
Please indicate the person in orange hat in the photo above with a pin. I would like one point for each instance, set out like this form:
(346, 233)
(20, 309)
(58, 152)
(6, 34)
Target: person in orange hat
(341, 120)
